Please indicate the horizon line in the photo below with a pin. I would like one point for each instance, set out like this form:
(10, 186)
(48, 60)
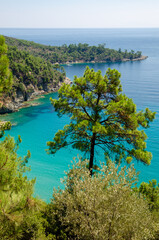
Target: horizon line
(79, 27)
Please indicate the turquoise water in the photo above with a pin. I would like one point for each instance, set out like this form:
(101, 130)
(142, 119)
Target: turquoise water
(38, 124)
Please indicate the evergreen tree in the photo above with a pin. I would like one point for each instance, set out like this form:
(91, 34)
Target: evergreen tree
(5, 79)
(5, 73)
(151, 192)
(101, 116)
(20, 215)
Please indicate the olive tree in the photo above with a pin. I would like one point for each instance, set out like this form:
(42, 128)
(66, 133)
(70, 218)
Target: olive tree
(100, 207)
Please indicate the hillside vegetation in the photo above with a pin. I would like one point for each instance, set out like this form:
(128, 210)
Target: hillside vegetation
(31, 76)
(28, 69)
(36, 68)
(104, 205)
(73, 53)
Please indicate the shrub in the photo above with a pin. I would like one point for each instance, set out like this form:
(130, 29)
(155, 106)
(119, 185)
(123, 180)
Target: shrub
(100, 207)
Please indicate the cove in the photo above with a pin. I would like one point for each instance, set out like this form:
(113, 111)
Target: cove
(140, 80)
(36, 125)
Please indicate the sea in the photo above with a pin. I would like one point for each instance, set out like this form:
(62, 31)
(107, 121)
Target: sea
(37, 124)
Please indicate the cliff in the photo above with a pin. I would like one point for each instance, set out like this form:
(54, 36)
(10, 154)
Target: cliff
(32, 76)
(21, 99)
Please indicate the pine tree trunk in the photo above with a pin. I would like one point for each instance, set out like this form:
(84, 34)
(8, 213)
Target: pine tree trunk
(92, 153)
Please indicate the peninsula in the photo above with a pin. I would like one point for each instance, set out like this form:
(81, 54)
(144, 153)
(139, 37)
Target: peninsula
(81, 53)
(37, 69)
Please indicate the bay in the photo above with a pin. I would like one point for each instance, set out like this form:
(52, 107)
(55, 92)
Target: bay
(38, 124)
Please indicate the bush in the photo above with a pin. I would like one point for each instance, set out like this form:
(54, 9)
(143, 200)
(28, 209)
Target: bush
(20, 213)
(100, 207)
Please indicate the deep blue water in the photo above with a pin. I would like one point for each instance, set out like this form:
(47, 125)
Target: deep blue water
(140, 81)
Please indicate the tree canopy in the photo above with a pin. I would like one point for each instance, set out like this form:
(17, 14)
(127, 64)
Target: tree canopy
(5, 79)
(101, 116)
(5, 73)
(103, 207)
(28, 69)
(29, 74)
(151, 192)
(74, 53)
(20, 215)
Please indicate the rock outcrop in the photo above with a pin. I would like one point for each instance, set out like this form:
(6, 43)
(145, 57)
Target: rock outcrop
(21, 98)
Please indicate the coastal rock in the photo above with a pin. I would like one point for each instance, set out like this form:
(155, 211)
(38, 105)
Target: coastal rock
(21, 98)
(135, 59)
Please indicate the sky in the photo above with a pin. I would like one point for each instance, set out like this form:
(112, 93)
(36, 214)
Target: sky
(79, 14)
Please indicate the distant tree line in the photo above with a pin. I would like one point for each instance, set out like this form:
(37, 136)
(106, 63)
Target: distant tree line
(74, 52)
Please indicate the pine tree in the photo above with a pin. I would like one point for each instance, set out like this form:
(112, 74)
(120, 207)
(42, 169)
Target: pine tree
(5, 73)
(101, 116)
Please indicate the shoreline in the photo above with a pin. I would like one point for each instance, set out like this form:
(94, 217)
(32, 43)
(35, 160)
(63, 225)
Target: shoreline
(12, 107)
(124, 60)
(41, 94)
(16, 106)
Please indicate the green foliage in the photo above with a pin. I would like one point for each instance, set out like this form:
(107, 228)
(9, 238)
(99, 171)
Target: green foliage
(5, 74)
(28, 69)
(30, 73)
(20, 215)
(101, 116)
(4, 126)
(151, 192)
(73, 52)
(100, 207)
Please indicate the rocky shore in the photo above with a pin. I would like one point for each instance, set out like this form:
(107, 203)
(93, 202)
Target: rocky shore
(20, 100)
(124, 60)
(136, 59)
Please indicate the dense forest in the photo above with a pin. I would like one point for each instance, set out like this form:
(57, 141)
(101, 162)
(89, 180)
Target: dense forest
(31, 76)
(74, 53)
(28, 69)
